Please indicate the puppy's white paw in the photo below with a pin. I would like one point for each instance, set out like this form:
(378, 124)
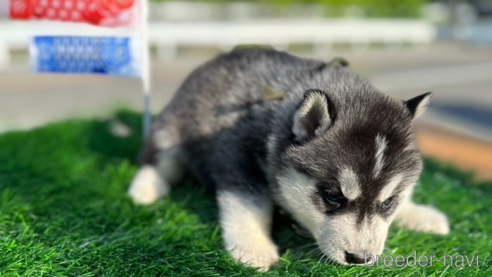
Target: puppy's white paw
(148, 186)
(261, 255)
(423, 219)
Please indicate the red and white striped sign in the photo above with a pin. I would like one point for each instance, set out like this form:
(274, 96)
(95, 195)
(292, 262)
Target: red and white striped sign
(98, 12)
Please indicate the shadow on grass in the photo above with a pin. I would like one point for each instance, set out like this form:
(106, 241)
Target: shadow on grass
(203, 205)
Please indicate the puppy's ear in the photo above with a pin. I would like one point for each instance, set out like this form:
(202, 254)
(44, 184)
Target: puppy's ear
(417, 105)
(312, 118)
(336, 62)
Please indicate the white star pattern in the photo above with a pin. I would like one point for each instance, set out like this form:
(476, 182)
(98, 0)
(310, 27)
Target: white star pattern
(73, 10)
(104, 55)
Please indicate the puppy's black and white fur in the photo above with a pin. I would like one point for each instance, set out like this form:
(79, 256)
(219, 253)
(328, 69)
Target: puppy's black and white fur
(333, 152)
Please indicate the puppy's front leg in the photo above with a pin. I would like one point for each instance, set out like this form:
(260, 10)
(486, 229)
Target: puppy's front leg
(245, 218)
(421, 218)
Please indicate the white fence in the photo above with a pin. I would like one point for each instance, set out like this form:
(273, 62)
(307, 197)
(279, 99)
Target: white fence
(167, 37)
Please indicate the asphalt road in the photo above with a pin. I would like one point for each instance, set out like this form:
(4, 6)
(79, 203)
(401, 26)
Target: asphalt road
(460, 77)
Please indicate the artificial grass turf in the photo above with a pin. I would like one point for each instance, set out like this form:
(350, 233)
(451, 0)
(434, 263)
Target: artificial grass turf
(64, 212)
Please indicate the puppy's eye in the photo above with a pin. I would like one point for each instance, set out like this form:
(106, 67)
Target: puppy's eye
(332, 197)
(388, 202)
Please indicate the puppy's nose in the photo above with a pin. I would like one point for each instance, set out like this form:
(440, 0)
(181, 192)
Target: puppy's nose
(355, 259)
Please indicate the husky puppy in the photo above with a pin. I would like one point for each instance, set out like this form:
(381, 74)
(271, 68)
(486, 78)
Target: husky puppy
(329, 149)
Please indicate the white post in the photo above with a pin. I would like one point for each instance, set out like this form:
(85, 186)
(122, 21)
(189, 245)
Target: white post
(4, 47)
(144, 42)
(4, 56)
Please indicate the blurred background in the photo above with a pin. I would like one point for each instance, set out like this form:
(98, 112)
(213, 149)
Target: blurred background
(405, 47)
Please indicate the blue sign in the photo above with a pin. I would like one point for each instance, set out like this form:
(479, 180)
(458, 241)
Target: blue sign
(85, 55)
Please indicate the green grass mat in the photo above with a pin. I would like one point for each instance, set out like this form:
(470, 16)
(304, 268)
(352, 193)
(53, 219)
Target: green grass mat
(64, 212)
